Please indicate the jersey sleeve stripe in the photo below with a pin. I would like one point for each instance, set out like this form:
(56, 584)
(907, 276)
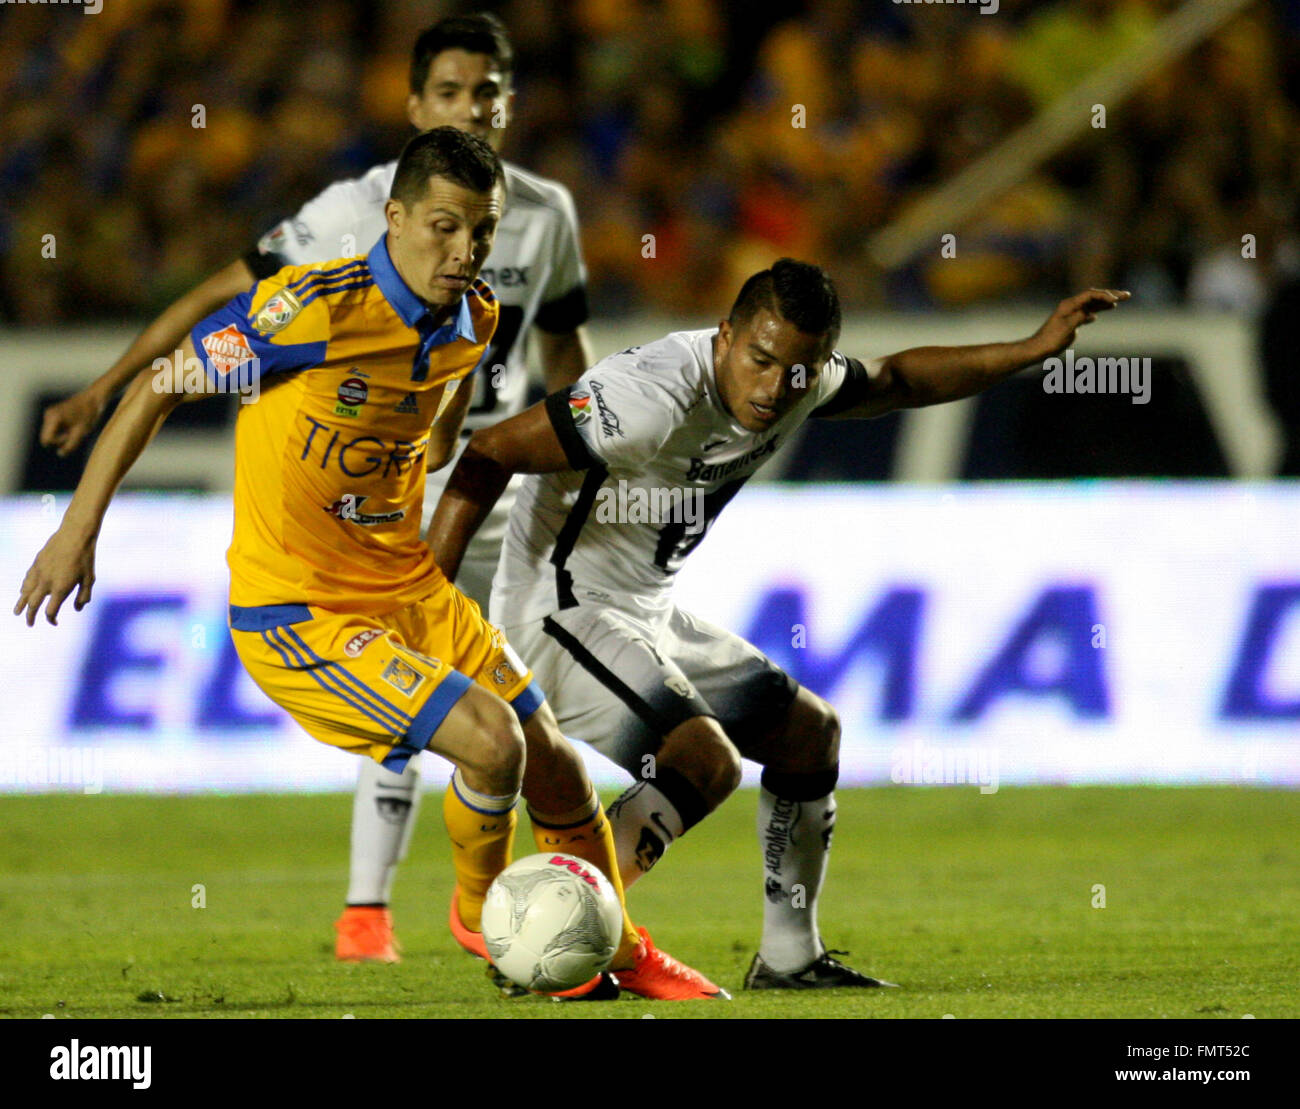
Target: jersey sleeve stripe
(355, 267)
(336, 289)
(320, 281)
(575, 449)
(853, 391)
(329, 282)
(565, 313)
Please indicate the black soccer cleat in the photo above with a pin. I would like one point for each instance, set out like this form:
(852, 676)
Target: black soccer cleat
(823, 973)
(506, 988)
(605, 990)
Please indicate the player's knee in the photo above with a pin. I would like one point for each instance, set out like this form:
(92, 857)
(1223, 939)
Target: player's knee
(555, 778)
(499, 750)
(826, 732)
(811, 741)
(700, 750)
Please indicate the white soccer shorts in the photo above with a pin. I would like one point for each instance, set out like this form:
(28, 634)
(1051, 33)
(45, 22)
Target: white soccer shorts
(621, 683)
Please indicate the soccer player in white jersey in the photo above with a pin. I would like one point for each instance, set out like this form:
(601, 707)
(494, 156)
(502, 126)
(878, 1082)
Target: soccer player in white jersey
(460, 77)
(631, 465)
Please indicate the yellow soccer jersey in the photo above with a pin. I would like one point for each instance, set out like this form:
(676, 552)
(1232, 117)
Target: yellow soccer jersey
(330, 460)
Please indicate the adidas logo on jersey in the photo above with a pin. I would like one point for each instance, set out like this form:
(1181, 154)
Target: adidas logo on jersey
(407, 406)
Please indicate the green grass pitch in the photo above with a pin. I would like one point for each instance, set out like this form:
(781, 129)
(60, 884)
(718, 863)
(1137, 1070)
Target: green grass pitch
(980, 906)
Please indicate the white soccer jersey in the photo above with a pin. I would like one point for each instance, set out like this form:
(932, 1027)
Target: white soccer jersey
(657, 458)
(535, 267)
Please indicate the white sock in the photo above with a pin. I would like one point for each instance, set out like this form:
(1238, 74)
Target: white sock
(795, 840)
(645, 824)
(383, 818)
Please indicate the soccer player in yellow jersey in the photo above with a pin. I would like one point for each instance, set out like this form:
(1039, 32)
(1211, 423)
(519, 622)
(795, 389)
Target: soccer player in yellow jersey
(338, 610)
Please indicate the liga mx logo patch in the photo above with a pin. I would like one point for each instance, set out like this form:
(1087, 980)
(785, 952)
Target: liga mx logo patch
(277, 313)
(580, 408)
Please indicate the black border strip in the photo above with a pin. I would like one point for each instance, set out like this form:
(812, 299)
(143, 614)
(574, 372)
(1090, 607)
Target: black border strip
(568, 537)
(575, 449)
(853, 391)
(263, 265)
(565, 313)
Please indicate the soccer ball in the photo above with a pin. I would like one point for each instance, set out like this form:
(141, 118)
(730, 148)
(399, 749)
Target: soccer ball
(551, 922)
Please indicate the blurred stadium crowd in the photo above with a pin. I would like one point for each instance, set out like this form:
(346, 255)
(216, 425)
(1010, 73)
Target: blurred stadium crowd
(673, 118)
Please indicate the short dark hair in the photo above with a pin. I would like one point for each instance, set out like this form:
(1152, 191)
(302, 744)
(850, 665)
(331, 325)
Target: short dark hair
(800, 292)
(447, 152)
(479, 33)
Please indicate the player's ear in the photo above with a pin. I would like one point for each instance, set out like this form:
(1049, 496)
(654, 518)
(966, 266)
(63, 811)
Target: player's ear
(724, 337)
(415, 112)
(395, 214)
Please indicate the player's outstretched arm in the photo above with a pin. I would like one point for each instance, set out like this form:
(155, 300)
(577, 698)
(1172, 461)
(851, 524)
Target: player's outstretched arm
(64, 425)
(524, 444)
(67, 561)
(933, 375)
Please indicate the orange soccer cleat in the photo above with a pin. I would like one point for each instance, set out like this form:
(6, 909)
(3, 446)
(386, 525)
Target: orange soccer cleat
(470, 940)
(366, 936)
(657, 976)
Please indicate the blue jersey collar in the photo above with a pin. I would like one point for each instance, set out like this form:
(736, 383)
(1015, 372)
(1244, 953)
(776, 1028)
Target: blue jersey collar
(412, 310)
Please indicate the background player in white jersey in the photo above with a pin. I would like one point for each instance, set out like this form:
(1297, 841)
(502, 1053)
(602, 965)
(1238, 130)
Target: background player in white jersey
(461, 77)
(632, 465)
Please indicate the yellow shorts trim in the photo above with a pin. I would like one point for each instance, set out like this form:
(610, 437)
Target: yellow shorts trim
(381, 685)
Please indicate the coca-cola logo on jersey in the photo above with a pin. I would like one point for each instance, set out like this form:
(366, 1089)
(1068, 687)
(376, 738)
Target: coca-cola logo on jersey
(609, 424)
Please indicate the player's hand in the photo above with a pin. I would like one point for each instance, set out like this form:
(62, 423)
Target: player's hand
(63, 565)
(1073, 313)
(67, 423)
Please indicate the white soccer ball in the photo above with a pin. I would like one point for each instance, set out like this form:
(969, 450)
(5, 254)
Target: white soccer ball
(551, 922)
